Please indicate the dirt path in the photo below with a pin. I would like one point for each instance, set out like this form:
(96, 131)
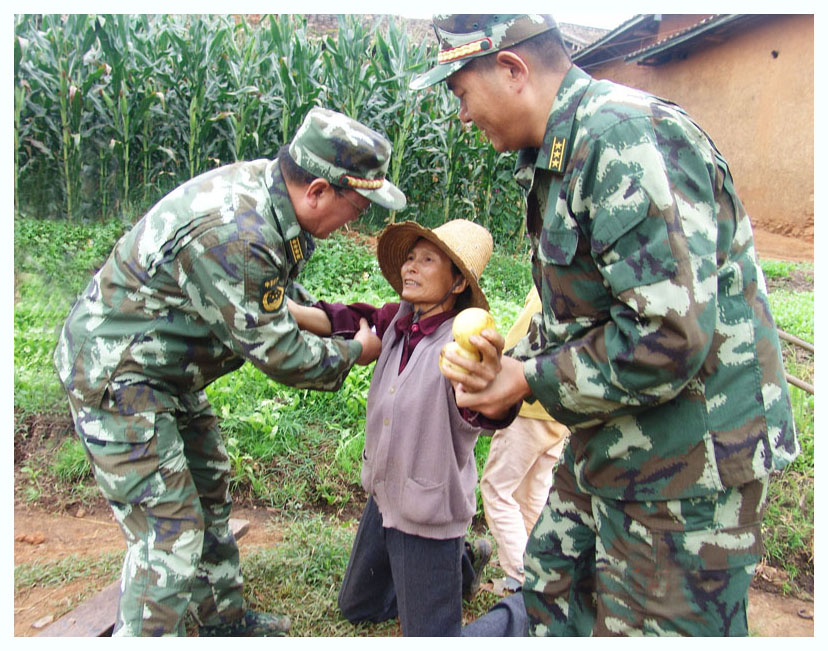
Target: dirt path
(780, 247)
(40, 536)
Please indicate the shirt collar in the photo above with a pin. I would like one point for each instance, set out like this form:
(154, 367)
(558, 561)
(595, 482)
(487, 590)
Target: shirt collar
(299, 244)
(554, 153)
(426, 325)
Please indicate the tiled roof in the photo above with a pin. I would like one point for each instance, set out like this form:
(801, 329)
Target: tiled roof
(687, 38)
(632, 41)
(579, 36)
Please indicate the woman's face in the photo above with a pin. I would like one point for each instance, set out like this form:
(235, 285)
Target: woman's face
(427, 276)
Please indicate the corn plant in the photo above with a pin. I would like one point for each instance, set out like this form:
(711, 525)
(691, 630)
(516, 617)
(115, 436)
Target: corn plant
(395, 61)
(58, 79)
(348, 74)
(295, 69)
(121, 108)
(130, 94)
(244, 95)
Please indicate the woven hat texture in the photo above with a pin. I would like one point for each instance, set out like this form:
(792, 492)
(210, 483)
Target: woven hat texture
(469, 246)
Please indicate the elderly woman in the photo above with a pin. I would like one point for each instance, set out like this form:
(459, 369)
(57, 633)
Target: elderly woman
(410, 557)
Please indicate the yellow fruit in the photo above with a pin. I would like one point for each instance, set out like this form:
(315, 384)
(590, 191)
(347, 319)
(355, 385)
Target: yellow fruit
(455, 347)
(471, 321)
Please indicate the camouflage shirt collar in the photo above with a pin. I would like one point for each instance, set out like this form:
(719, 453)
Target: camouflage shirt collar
(285, 217)
(557, 141)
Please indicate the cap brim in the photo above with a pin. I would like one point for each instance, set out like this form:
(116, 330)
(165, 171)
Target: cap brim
(437, 74)
(388, 196)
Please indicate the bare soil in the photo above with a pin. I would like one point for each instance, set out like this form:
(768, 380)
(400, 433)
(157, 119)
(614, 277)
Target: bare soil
(55, 528)
(41, 536)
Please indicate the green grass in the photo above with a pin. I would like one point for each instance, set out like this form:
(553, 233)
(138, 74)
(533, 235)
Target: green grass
(105, 567)
(297, 449)
(300, 577)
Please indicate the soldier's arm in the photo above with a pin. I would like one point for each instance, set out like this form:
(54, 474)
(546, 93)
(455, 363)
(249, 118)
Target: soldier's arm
(652, 238)
(240, 288)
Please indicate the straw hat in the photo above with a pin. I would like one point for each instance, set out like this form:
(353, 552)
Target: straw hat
(469, 246)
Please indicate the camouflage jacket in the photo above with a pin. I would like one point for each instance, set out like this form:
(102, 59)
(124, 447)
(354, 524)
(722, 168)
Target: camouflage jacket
(194, 290)
(656, 344)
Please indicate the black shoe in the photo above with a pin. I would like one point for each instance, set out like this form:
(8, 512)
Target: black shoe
(251, 624)
(481, 552)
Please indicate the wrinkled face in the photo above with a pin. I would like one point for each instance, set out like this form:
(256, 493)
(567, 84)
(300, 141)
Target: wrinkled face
(486, 101)
(427, 275)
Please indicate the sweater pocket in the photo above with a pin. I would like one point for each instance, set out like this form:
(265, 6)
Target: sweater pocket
(425, 503)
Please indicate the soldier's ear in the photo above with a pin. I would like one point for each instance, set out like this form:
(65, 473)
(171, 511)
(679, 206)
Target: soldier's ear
(318, 192)
(513, 65)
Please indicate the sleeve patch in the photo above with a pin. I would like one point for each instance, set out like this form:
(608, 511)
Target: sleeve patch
(273, 295)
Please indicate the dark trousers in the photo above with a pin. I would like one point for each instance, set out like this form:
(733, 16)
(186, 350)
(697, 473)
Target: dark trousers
(393, 573)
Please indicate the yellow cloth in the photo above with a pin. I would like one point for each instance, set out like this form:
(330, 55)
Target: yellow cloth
(531, 306)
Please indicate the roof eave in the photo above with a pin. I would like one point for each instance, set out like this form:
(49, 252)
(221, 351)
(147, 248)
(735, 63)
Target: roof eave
(636, 21)
(663, 51)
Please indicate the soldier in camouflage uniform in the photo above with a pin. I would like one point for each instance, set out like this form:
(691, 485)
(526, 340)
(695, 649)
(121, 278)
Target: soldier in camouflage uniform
(194, 290)
(656, 344)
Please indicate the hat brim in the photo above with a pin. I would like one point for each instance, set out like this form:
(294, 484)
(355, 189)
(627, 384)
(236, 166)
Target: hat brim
(388, 196)
(437, 74)
(393, 247)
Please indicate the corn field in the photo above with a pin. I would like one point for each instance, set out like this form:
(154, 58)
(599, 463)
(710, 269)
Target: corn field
(113, 111)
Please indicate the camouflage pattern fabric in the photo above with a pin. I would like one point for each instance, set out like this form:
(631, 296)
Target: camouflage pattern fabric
(194, 290)
(598, 566)
(656, 345)
(346, 153)
(168, 489)
(463, 37)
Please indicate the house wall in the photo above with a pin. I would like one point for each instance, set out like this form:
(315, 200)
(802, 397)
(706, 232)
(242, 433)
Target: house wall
(758, 108)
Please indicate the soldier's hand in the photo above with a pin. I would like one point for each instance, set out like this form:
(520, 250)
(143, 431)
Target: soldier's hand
(496, 397)
(479, 374)
(371, 344)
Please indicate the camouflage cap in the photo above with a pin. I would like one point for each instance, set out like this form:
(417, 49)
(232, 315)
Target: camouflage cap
(463, 37)
(346, 153)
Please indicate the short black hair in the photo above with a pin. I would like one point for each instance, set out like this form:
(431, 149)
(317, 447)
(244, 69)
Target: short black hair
(291, 170)
(547, 47)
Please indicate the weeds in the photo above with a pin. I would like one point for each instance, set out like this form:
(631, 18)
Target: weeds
(300, 577)
(296, 449)
(71, 464)
(105, 566)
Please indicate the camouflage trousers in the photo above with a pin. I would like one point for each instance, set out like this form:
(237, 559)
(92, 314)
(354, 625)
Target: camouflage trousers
(676, 567)
(165, 475)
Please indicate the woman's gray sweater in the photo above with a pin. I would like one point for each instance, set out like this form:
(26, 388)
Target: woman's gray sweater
(418, 460)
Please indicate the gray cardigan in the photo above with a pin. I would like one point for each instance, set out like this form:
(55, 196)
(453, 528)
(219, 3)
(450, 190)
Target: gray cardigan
(418, 460)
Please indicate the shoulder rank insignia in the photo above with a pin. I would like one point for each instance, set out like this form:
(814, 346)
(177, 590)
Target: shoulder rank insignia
(556, 154)
(273, 294)
(295, 248)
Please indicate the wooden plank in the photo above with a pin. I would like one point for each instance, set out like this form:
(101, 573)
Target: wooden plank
(95, 617)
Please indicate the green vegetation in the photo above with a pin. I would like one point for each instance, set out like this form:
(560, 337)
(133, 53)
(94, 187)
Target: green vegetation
(114, 110)
(297, 450)
(105, 567)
